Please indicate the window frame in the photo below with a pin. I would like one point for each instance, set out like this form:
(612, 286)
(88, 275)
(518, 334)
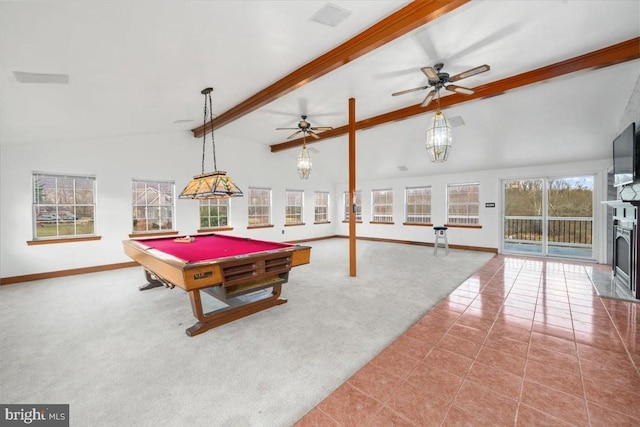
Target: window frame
(207, 204)
(63, 214)
(147, 207)
(321, 217)
(466, 204)
(418, 206)
(290, 208)
(378, 216)
(251, 206)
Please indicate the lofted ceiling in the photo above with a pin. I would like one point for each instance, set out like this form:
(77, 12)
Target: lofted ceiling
(137, 68)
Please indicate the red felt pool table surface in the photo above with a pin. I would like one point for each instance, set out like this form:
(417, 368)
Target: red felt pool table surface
(211, 247)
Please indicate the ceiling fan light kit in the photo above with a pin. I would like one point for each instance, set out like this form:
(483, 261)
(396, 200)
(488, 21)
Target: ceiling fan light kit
(439, 136)
(210, 185)
(304, 159)
(304, 163)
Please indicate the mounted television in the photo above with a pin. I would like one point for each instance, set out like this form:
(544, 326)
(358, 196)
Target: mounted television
(626, 159)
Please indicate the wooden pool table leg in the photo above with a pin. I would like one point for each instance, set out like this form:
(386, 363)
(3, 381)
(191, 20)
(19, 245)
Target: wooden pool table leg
(221, 317)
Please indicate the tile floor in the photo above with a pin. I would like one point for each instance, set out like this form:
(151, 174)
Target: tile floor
(523, 342)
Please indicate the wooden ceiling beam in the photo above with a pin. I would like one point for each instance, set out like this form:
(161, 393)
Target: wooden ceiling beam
(615, 54)
(412, 16)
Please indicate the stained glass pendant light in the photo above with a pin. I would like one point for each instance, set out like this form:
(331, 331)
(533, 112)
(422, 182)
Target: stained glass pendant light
(304, 160)
(210, 185)
(439, 136)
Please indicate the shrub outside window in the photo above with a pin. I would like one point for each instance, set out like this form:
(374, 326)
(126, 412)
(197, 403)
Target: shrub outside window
(382, 205)
(63, 205)
(214, 213)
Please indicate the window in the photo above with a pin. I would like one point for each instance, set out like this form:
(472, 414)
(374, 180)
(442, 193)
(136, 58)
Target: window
(382, 206)
(293, 207)
(63, 205)
(347, 205)
(153, 205)
(259, 207)
(463, 204)
(321, 207)
(417, 205)
(214, 213)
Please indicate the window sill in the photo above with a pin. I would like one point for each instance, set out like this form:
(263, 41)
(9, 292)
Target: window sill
(152, 234)
(251, 227)
(63, 240)
(322, 222)
(357, 222)
(381, 222)
(418, 224)
(462, 226)
(214, 230)
(294, 225)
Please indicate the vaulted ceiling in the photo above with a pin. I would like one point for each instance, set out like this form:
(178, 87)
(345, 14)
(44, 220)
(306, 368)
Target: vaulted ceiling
(562, 74)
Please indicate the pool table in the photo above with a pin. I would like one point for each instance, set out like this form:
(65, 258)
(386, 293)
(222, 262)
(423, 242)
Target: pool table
(227, 277)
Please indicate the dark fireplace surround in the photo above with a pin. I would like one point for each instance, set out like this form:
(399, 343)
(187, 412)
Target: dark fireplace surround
(625, 262)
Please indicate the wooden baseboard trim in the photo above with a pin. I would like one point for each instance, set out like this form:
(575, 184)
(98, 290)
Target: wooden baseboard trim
(63, 273)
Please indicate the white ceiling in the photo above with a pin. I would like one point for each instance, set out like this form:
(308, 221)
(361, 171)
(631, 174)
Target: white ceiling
(138, 67)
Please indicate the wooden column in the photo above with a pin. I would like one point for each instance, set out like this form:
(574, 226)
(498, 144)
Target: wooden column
(352, 186)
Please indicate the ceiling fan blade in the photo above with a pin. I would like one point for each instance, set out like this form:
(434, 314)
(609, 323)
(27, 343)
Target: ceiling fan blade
(313, 134)
(321, 128)
(431, 73)
(286, 128)
(429, 98)
(460, 89)
(293, 134)
(409, 90)
(469, 73)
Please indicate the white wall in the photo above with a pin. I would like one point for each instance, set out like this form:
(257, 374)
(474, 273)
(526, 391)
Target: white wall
(490, 191)
(115, 161)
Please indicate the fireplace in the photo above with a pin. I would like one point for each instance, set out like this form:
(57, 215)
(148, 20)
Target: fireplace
(623, 257)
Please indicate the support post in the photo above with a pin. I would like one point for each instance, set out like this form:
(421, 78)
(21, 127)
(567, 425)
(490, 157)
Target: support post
(352, 187)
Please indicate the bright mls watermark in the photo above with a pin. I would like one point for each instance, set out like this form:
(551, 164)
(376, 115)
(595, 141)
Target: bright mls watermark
(35, 415)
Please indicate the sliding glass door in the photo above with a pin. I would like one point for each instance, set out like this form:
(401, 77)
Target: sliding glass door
(549, 216)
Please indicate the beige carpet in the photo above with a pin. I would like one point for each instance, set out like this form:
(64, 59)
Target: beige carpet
(120, 357)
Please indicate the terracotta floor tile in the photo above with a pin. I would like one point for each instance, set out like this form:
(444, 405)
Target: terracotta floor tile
(543, 303)
(549, 319)
(457, 299)
(530, 417)
(605, 417)
(349, 406)
(561, 405)
(511, 331)
(589, 317)
(468, 333)
(396, 363)
(603, 356)
(553, 330)
(517, 302)
(459, 346)
(497, 380)
(435, 383)
(626, 378)
(423, 333)
(507, 345)
(316, 418)
(489, 407)
(610, 396)
(514, 321)
(517, 312)
(554, 343)
(470, 319)
(501, 360)
(448, 361)
(375, 381)
(564, 313)
(434, 323)
(561, 361)
(388, 417)
(605, 342)
(551, 377)
(409, 401)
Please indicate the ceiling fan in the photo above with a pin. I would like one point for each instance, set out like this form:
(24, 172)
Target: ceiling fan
(305, 128)
(439, 80)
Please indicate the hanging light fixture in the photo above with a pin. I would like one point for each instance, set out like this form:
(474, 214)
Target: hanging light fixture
(210, 185)
(304, 160)
(438, 135)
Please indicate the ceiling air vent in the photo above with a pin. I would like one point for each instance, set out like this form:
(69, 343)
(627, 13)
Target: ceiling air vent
(331, 15)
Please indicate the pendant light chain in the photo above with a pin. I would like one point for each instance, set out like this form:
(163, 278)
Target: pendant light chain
(213, 141)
